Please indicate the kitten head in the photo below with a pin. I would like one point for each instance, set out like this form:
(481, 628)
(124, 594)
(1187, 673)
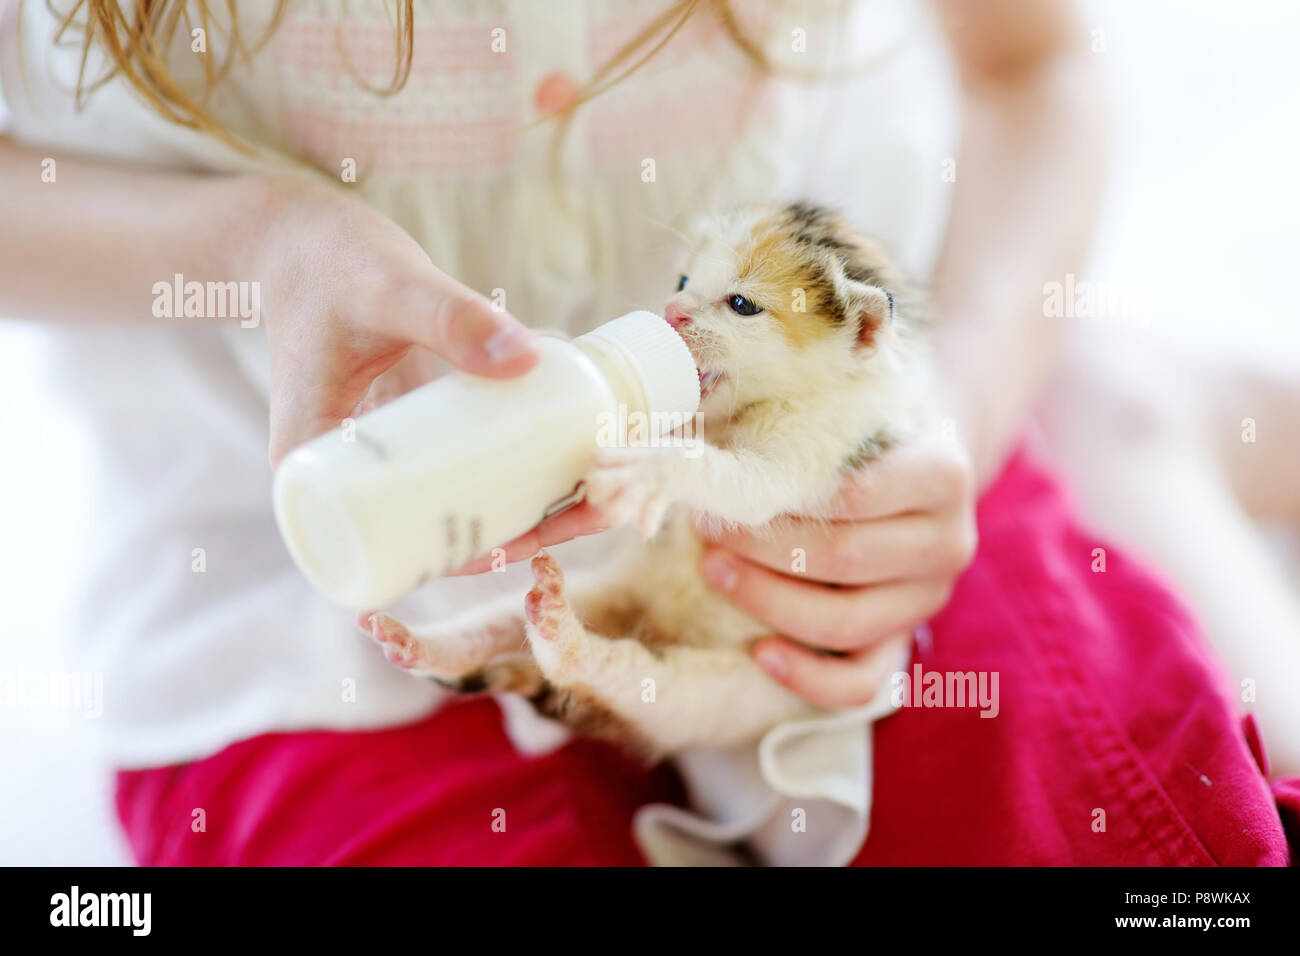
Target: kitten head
(775, 300)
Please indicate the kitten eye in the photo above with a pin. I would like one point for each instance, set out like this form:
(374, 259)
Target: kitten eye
(681, 284)
(742, 306)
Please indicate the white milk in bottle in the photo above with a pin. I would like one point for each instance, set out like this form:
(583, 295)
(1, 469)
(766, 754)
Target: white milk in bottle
(447, 472)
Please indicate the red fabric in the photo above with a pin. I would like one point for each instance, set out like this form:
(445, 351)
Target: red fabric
(423, 793)
(1108, 702)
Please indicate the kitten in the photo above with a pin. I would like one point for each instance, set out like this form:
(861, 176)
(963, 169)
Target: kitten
(809, 367)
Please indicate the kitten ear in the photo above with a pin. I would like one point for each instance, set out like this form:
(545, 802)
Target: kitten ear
(870, 307)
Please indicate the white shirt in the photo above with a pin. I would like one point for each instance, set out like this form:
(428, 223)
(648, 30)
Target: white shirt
(205, 632)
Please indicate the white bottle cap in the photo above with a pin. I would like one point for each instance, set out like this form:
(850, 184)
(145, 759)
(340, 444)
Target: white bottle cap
(660, 358)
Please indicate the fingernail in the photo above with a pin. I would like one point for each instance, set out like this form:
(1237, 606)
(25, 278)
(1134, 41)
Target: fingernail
(720, 571)
(508, 343)
(773, 661)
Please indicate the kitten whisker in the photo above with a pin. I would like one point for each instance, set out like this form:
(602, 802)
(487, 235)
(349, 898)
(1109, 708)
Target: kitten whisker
(669, 229)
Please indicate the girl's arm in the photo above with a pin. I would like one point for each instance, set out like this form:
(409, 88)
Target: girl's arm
(90, 244)
(1027, 183)
(1028, 178)
(345, 293)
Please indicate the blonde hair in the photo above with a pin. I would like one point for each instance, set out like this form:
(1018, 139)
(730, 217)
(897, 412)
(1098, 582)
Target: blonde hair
(134, 35)
(135, 45)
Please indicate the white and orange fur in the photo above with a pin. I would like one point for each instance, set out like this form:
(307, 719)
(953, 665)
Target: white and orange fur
(824, 377)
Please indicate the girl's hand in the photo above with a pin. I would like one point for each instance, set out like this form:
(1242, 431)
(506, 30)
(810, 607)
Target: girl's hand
(357, 314)
(903, 529)
(579, 520)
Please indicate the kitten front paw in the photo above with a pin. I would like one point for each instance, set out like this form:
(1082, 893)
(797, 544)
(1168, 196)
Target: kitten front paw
(545, 606)
(400, 647)
(555, 634)
(635, 485)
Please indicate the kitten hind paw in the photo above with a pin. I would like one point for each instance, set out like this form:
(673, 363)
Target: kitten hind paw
(545, 605)
(399, 646)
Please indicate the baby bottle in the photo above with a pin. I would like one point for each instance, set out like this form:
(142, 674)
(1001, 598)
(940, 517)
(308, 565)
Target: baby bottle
(447, 472)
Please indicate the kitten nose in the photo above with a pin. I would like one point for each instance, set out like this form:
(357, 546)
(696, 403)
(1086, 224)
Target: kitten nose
(676, 317)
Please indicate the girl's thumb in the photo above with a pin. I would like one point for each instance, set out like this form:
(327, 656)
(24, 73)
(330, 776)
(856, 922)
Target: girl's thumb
(463, 327)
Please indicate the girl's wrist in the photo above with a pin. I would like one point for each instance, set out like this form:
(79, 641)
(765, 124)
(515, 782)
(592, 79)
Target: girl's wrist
(984, 421)
(253, 205)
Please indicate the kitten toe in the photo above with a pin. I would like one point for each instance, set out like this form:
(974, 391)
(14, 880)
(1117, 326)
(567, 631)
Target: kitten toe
(545, 605)
(399, 647)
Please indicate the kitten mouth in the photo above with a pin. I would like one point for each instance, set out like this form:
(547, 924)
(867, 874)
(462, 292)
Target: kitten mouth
(708, 377)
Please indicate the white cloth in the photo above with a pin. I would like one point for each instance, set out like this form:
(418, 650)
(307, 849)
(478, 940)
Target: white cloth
(801, 797)
(194, 660)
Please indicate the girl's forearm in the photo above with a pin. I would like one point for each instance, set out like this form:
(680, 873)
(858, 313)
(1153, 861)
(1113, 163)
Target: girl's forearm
(91, 243)
(1028, 177)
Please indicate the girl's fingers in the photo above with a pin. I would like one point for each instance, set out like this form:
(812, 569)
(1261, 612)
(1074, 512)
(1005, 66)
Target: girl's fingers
(314, 393)
(351, 293)
(525, 546)
(582, 519)
(831, 682)
(839, 619)
(922, 476)
(331, 372)
(866, 552)
(458, 323)
(417, 367)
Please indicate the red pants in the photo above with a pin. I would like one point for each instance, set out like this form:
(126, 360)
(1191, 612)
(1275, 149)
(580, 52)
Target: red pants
(1116, 742)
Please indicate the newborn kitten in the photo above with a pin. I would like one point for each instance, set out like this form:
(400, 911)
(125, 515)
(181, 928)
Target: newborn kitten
(808, 369)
